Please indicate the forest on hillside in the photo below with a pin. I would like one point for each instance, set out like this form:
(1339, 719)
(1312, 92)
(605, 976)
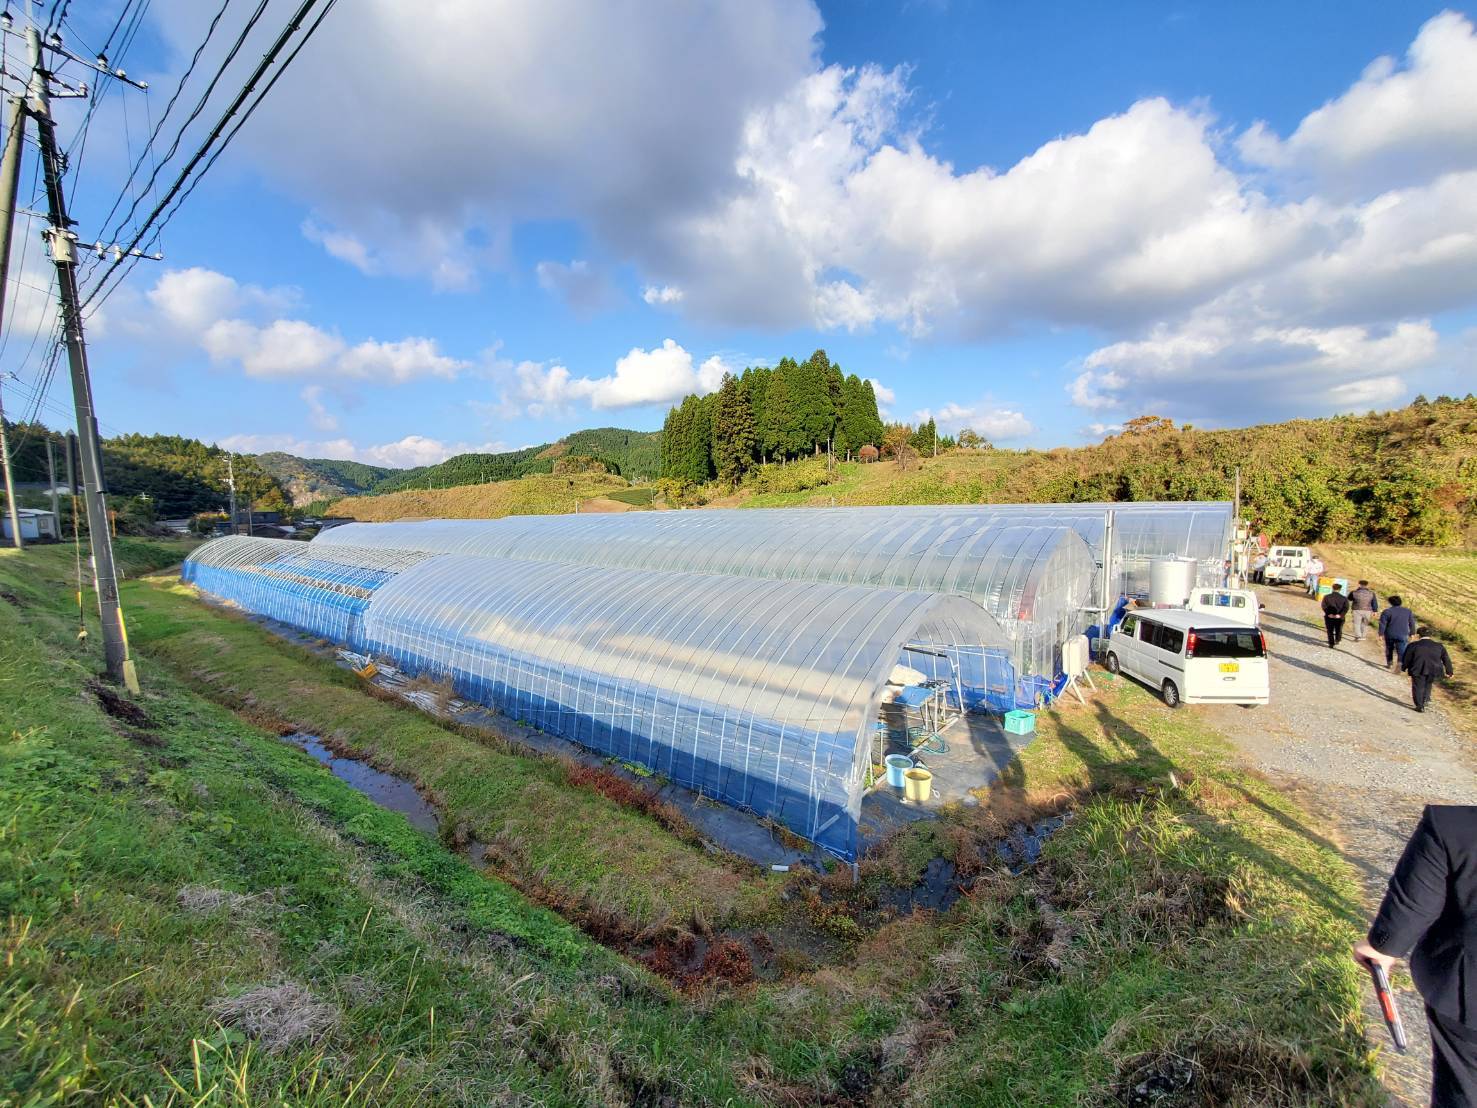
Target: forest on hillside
(632, 454)
(766, 415)
(169, 476)
(1407, 476)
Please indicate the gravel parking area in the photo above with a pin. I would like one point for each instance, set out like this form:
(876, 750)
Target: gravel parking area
(1341, 732)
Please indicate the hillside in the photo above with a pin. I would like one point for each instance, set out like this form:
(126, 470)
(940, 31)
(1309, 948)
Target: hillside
(634, 454)
(1405, 476)
(536, 494)
(306, 480)
(179, 476)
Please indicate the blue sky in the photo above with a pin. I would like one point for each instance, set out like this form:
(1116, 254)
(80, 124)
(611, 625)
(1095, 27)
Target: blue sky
(1037, 220)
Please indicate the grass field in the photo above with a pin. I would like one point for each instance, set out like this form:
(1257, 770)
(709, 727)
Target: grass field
(541, 494)
(1439, 585)
(198, 913)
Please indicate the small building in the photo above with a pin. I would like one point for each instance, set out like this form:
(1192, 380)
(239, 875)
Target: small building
(37, 525)
(867, 453)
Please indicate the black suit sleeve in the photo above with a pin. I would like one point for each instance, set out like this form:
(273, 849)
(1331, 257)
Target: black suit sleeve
(1417, 893)
(1446, 662)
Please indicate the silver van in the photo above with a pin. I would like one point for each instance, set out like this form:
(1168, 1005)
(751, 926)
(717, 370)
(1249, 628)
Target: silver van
(1191, 657)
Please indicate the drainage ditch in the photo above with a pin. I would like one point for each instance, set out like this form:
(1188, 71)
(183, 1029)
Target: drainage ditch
(733, 955)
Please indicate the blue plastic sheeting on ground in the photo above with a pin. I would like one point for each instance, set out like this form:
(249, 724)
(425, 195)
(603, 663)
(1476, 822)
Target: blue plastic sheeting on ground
(761, 693)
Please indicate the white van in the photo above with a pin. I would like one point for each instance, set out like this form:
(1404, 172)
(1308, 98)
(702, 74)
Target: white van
(1232, 605)
(1190, 657)
(1287, 563)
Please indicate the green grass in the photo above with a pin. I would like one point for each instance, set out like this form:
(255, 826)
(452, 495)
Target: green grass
(640, 497)
(577, 846)
(444, 983)
(1197, 915)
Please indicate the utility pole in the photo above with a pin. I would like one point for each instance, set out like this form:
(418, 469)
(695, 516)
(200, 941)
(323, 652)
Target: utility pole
(15, 517)
(51, 485)
(64, 256)
(10, 168)
(231, 483)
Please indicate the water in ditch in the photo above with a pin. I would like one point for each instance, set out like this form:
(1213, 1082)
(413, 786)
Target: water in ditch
(385, 789)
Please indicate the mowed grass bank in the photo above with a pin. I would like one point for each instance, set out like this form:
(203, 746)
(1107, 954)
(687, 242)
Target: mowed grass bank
(195, 913)
(1187, 928)
(575, 846)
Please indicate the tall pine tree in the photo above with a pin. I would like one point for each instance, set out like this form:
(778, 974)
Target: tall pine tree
(733, 431)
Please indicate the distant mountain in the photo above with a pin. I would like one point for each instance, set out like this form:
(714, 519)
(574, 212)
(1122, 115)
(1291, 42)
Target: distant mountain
(636, 455)
(307, 480)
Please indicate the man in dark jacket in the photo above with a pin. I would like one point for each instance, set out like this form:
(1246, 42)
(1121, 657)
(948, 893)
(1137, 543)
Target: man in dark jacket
(1335, 608)
(1425, 660)
(1363, 604)
(1429, 914)
(1397, 625)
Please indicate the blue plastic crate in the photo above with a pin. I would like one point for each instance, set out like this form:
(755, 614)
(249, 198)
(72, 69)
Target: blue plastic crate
(1020, 722)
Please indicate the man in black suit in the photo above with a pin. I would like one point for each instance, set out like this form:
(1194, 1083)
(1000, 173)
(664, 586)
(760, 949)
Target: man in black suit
(1425, 660)
(1335, 608)
(1429, 914)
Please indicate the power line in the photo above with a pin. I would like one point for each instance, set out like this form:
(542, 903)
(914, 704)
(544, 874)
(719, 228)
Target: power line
(246, 91)
(246, 115)
(123, 15)
(180, 133)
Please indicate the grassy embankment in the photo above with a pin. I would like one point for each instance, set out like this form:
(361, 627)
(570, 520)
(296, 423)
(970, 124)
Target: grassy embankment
(156, 874)
(1440, 586)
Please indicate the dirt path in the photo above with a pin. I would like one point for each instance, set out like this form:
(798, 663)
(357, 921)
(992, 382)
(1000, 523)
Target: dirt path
(1341, 731)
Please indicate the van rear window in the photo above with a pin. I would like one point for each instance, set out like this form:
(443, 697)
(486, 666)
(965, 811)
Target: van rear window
(1228, 643)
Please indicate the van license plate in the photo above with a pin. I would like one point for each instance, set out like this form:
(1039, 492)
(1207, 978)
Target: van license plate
(1230, 667)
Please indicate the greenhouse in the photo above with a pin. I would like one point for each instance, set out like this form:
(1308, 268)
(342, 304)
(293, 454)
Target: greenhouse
(763, 693)
(1136, 533)
(1037, 581)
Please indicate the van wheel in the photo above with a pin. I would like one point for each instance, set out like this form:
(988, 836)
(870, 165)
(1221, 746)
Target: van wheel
(1171, 695)
(1110, 663)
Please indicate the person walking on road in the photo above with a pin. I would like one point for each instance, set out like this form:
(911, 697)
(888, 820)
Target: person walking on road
(1363, 604)
(1335, 608)
(1429, 915)
(1259, 570)
(1397, 625)
(1425, 660)
(1314, 570)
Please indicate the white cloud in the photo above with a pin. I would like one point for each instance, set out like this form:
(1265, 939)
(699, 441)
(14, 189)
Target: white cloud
(283, 348)
(661, 294)
(341, 245)
(1101, 430)
(1397, 125)
(190, 300)
(318, 415)
(883, 394)
(406, 453)
(661, 375)
(585, 289)
(1212, 366)
(613, 115)
(215, 312)
(994, 423)
(842, 219)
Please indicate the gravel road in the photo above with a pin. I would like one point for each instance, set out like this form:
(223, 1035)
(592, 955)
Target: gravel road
(1341, 732)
